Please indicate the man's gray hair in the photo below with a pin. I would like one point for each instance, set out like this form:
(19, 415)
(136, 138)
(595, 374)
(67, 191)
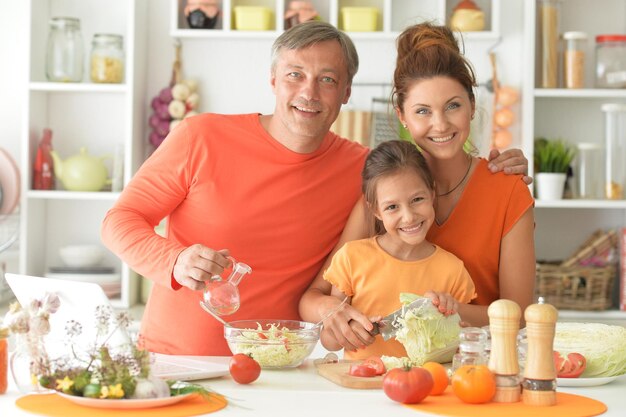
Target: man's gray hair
(309, 33)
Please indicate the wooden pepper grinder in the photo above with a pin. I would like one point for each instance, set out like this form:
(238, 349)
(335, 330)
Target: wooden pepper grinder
(539, 384)
(504, 318)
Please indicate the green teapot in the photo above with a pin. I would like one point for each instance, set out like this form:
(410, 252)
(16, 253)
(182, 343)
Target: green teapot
(81, 172)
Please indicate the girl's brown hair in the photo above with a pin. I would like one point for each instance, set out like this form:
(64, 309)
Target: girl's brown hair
(426, 51)
(389, 158)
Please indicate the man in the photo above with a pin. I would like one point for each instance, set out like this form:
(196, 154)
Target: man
(273, 191)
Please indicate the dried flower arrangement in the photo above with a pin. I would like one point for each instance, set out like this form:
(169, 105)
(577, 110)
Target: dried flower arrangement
(99, 371)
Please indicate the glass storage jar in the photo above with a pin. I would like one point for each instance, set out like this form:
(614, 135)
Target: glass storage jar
(64, 52)
(472, 348)
(615, 145)
(588, 171)
(107, 58)
(611, 61)
(549, 42)
(574, 59)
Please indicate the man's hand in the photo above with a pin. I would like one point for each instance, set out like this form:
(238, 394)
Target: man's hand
(511, 161)
(198, 264)
(350, 328)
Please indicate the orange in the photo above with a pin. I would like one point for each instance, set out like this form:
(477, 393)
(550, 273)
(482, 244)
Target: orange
(440, 377)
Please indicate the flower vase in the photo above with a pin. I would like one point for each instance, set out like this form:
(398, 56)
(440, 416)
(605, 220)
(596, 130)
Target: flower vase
(24, 362)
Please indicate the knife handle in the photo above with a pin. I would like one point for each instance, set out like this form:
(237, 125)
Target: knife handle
(375, 330)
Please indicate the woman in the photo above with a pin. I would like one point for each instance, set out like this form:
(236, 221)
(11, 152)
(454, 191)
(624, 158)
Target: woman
(484, 219)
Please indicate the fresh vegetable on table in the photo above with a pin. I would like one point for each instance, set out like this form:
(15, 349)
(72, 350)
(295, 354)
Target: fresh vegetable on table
(408, 385)
(372, 366)
(570, 366)
(428, 335)
(244, 369)
(474, 384)
(602, 345)
(440, 377)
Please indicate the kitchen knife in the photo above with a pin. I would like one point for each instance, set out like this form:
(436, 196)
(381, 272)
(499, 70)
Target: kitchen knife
(388, 326)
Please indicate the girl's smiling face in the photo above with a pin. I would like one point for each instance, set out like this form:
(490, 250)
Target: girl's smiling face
(437, 112)
(404, 203)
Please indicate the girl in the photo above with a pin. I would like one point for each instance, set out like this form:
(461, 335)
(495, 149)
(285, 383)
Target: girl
(399, 192)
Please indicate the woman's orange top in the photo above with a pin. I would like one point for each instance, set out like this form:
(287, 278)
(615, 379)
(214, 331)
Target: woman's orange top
(490, 206)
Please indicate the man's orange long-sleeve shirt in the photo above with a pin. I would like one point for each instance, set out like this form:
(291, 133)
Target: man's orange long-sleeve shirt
(227, 184)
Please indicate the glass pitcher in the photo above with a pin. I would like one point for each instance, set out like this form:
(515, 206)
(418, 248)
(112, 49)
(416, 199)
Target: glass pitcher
(221, 296)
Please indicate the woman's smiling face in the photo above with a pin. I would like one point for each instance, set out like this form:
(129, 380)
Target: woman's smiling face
(437, 112)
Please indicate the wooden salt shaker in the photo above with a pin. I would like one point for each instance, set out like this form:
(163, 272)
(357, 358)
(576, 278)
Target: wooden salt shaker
(504, 319)
(539, 384)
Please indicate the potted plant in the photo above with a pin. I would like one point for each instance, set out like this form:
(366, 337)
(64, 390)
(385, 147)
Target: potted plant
(552, 159)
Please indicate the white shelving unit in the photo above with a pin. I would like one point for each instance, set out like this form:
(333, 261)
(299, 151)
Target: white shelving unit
(95, 116)
(574, 115)
(393, 17)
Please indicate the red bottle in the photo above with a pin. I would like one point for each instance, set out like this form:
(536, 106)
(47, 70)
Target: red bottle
(43, 168)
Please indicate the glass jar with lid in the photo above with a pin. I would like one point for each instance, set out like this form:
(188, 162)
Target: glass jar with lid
(472, 348)
(615, 147)
(588, 171)
(611, 61)
(64, 51)
(107, 58)
(574, 59)
(549, 12)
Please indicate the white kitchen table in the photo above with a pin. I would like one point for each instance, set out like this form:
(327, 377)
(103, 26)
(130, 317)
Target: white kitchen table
(301, 392)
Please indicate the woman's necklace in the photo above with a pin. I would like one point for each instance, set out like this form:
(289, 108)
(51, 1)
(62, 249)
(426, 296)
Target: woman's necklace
(462, 179)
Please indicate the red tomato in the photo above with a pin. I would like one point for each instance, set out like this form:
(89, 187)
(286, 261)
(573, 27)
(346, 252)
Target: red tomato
(570, 367)
(408, 385)
(474, 384)
(244, 369)
(361, 370)
(376, 363)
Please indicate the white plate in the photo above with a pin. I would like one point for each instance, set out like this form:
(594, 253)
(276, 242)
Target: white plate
(120, 404)
(585, 382)
(10, 183)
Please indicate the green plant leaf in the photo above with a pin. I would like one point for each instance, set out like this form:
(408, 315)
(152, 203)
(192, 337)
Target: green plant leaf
(554, 155)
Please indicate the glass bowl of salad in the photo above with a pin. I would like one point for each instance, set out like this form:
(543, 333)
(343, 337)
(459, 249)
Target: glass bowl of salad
(274, 344)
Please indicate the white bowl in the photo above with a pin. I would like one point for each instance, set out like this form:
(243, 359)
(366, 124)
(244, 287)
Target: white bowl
(81, 255)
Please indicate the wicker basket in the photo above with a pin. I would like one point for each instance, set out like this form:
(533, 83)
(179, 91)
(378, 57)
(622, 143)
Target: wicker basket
(575, 287)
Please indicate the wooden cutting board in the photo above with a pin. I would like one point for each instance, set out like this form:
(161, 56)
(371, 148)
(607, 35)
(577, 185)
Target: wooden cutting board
(338, 373)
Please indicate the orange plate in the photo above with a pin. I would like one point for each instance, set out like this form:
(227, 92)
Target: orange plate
(56, 406)
(567, 405)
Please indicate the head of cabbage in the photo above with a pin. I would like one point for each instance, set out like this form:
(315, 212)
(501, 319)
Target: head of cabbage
(426, 334)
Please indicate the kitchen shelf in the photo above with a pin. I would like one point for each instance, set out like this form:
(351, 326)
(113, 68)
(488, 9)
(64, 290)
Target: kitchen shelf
(394, 16)
(72, 195)
(98, 117)
(78, 87)
(574, 203)
(582, 93)
(574, 115)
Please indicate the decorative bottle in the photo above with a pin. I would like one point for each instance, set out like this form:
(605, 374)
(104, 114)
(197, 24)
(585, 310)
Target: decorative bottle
(43, 168)
(4, 359)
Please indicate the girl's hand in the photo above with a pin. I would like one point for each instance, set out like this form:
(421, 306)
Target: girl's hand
(444, 302)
